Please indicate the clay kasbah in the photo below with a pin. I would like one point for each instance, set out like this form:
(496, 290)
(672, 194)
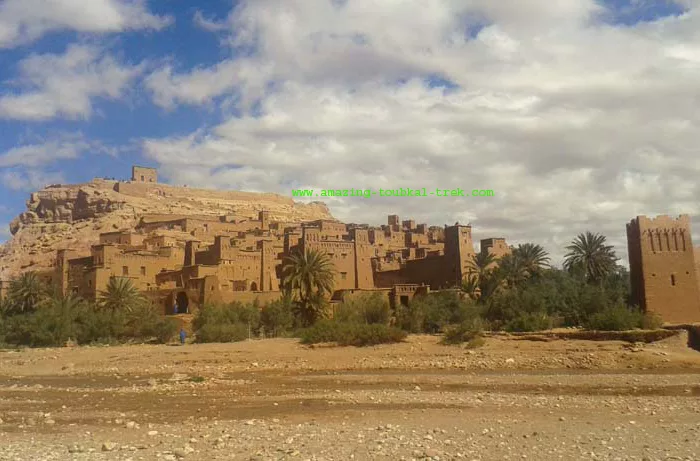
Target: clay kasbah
(555, 394)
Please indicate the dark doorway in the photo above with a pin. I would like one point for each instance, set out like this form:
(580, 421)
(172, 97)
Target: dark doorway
(182, 303)
(404, 300)
(253, 286)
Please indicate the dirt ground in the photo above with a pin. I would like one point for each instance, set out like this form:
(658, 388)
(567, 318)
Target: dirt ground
(275, 399)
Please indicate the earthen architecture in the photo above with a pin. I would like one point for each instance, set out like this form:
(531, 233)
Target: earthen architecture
(664, 268)
(189, 259)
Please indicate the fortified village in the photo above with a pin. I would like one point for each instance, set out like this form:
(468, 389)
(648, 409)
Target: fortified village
(188, 260)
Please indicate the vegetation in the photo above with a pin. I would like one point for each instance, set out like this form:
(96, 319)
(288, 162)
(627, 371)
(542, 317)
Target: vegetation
(121, 294)
(307, 277)
(590, 256)
(518, 293)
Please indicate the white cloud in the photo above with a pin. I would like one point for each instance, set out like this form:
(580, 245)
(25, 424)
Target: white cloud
(60, 147)
(23, 21)
(30, 180)
(574, 124)
(65, 85)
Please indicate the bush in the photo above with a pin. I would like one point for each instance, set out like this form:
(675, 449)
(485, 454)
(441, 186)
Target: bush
(434, 312)
(617, 318)
(536, 321)
(369, 308)
(463, 333)
(651, 321)
(222, 333)
(277, 317)
(351, 334)
(231, 314)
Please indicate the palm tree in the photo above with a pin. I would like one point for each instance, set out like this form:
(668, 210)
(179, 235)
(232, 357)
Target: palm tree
(481, 264)
(534, 257)
(26, 294)
(470, 286)
(121, 294)
(589, 253)
(309, 276)
(512, 269)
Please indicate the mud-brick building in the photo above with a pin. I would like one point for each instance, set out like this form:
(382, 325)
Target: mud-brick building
(87, 276)
(664, 267)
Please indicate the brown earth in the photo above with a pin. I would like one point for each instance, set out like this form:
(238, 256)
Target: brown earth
(276, 399)
(73, 216)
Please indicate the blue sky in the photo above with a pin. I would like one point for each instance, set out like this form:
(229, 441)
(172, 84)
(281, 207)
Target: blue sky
(575, 112)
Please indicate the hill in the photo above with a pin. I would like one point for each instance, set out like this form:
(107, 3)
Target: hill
(73, 216)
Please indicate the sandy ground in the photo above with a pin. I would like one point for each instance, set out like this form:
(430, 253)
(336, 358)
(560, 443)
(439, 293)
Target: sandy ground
(275, 399)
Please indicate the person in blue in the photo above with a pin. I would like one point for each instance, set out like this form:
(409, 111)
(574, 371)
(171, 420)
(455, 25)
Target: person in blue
(175, 309)
(183, 335)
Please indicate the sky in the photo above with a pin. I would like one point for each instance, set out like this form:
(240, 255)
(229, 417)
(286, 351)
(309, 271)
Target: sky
(578, 114)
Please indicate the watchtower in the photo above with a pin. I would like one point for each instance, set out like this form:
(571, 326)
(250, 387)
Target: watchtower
(662, 268)
(144, 174)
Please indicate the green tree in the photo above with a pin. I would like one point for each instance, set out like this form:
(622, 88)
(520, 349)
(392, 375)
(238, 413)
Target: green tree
(26, 294)
(534, 258)
(121, 294)
(589, 254)
(512, 269)
(309, 277)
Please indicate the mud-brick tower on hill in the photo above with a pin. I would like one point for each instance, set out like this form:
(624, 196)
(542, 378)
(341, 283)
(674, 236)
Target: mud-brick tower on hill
(663, 270)
(144, 174)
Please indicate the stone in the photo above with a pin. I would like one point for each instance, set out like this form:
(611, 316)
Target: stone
(109, 446)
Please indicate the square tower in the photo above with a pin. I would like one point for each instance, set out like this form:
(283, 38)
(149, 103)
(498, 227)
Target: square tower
(662, 268)
(143, 174)
(459, 251)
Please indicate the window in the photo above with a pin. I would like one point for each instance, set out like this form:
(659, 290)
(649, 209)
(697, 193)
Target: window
(142, 178)
(673, 280)
(125, 270)
(404, 300)
(343, 275)
(143, 270)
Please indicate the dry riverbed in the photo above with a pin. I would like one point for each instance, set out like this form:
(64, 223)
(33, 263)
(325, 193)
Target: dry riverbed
(275, 399)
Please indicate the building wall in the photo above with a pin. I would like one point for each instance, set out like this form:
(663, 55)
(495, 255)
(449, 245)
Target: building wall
(459, 251)
(663, 268)
(143, 174)
(495, 246)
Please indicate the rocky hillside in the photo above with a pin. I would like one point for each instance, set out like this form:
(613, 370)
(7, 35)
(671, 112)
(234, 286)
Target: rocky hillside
(73, 216)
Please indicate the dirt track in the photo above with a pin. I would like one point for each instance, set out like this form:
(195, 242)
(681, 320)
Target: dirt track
(275, 399)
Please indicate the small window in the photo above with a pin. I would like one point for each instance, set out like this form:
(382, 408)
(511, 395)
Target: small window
(125, 270)
(143, 270)
(673, 280)
(142, 178)
(343, 275)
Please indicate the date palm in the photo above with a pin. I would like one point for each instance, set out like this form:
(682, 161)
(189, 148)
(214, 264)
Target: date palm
(309, 276)
(534, 258)
(26, 294)
(589, 254)
(121, 294)
(512, 269)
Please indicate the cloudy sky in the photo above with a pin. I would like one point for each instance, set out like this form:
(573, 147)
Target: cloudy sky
(578, 114)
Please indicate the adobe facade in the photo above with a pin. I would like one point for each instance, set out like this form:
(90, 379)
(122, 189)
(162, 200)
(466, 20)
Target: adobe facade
(144, 174)
(190, 260)
(663, 268)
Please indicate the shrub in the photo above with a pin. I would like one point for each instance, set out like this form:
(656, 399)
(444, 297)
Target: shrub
(651, 321)
(277, 317)
(222, 333)
(351, 334)
(230, 314)
(434, 312)
(536, 321)
(617, 318)
(370, 308)
(463, 333)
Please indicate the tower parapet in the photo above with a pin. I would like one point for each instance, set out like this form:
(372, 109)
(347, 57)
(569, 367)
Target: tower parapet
(663, 270)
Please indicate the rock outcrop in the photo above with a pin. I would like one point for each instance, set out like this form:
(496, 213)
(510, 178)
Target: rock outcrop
(73, 216)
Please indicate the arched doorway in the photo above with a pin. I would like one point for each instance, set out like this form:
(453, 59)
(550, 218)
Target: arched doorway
(253, 286)
(182, 303)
